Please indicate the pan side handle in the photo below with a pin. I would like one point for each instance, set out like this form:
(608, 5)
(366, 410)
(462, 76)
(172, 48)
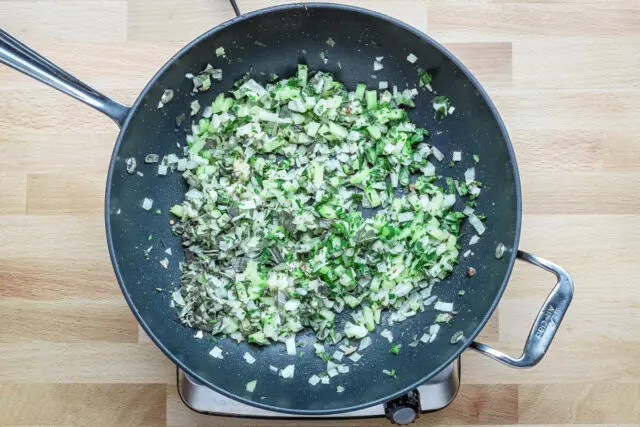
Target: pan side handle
(20, 57)
(546, 323)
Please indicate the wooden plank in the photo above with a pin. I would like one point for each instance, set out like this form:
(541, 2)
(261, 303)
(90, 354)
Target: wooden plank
(59, 194)
(563, 150)
(60, 278)
(41, 237)
(13, 193)
(491, 331)
(90, 362)
(578, 243)
(65, 20)
(501, 22)
(579, 403)
(548, 191)
(413, 12)
(76, 151)
(623, 150)
(576, 64)
(166, 22)
(74, 321)
(567, 109)
(489, 62)
(83, 404)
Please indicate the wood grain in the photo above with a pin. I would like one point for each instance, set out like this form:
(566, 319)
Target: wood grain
(74, 321)
(83, 404)
(565, 75)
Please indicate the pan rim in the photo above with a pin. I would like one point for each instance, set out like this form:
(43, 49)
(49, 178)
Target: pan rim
(273, 9)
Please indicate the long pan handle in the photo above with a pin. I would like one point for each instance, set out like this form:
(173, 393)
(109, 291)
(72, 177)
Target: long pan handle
(546, 323)
(20, 57)
(234, 5)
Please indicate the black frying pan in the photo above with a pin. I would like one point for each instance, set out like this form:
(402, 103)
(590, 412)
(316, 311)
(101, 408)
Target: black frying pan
(274, 40)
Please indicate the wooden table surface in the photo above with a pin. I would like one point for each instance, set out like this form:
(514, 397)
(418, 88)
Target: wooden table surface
(565, 75)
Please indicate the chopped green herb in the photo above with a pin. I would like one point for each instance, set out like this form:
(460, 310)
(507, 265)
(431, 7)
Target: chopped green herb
(395, 349)
(476, 158)
(424, 78)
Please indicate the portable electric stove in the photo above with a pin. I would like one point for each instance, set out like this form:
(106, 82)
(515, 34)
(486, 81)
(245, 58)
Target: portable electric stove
(431, 396)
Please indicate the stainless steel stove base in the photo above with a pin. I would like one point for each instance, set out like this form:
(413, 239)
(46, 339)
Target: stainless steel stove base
(435, 394)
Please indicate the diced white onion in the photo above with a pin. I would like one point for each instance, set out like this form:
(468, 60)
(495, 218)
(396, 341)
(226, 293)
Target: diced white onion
(383, 85)
(433, 332)
(199, 335)
(162, 169)
(290, 342)
(147, 204)
(364, 343)
(449, 200)
(332, 372)
(339, 389)
(325, 380)
(457, 156)
(407, 216)
(337, 355)
(249, 358)
(467, 210)
(177, 297)
(428, 170)
(251, 385)
(477, 224)
(412, 58)
(355, 357)
(216, 352)
(168, 251)
(430, 300)
(437, 154)
(347, 350)
(387, 334)
(165, 263)
(470, 175)
(425, 338)
(288, 371)
(444, 306)
(343, 369)
(466, 253)
(474, 239)
(355, 331)
(273, 368)
(377, 66)
(314, 380)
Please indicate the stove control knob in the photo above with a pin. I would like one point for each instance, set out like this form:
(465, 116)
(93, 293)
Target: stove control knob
(404, 409)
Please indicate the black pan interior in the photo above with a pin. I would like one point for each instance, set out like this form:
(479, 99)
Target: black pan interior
(274, 41)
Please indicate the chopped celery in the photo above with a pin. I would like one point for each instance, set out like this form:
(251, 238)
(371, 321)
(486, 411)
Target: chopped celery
(372, 99)
(360, 89)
